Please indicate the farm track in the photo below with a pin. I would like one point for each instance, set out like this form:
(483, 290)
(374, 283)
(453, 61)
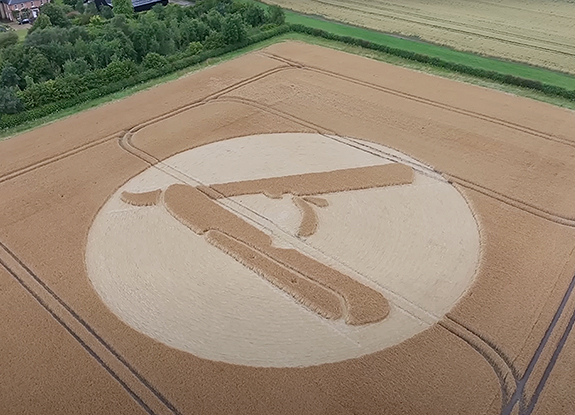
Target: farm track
(515, 393)
(151, 400)
(44, 162)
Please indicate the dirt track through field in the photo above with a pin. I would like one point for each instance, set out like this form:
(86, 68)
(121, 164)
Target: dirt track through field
(510, 160)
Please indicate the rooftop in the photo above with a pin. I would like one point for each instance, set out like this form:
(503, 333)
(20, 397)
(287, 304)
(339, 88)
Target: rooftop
(11, 2)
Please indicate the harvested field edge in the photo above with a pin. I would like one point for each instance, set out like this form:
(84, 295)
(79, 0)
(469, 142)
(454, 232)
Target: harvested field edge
(15, 120)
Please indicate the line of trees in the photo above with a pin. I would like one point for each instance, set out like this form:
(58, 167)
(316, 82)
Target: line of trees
(72, 49)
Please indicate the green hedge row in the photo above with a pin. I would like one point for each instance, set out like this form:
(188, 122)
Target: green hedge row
(59, 89)
(452, 66)
(77, 90)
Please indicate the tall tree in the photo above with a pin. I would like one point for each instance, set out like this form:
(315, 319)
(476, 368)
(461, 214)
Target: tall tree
(9, 77)
(254, 15)
(234, 29)
(42, 22)
(9, 101)
(123, 7)
(56, 13)
(276, 15)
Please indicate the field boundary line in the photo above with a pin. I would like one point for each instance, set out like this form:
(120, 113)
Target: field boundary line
(152, 401)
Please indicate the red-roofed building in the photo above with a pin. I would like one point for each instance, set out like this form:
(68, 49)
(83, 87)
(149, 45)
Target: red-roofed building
(7, 7)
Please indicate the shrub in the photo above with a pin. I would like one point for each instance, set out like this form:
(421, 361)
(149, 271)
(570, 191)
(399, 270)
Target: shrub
(214, 40)
(8, 39)
(194, 48)
(154, 60)
(276, 15)
(9, 101)
(118, 70)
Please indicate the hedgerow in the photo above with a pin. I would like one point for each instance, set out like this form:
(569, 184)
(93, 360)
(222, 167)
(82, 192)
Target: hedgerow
(70, 91)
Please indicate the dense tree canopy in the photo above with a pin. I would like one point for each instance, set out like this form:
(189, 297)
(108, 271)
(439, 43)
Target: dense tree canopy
(123, 7)
(72, 45)
(8, 39)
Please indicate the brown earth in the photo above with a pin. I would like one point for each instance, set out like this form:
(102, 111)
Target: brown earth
(511, 158)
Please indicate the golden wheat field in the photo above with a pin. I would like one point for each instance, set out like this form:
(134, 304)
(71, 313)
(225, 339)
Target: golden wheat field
(286, 234)
(537, 32)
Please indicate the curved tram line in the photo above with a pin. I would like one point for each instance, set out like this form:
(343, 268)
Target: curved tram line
(503, 366)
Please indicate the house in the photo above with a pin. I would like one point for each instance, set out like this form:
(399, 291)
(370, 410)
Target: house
(7, 7)
(139, 5)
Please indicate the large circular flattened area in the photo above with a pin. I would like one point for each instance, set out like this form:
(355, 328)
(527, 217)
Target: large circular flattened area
(180, 251)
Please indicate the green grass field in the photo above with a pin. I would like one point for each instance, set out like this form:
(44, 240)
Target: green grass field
(482, 62)
(22, 33)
